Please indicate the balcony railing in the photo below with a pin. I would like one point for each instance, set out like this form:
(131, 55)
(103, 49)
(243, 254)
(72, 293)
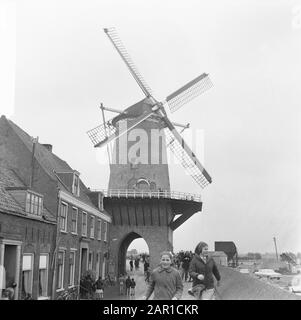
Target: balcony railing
(162, 194)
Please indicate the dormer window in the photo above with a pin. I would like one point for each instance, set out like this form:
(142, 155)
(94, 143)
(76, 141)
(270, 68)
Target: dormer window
(75, 185)
(34, 203)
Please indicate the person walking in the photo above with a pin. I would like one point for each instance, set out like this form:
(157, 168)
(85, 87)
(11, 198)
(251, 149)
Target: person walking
(128, 286)
(165, 281)
(132, 285)
(131, 265)
(147, 275)
(121, 284)
(202, 269)
(185, 266)
(146, 266)
(99, 289)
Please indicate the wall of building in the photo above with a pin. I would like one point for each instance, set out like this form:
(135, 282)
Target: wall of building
(68, 241)
(36, 237)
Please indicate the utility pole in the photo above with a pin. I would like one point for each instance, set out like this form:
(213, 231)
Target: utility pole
(276, 248)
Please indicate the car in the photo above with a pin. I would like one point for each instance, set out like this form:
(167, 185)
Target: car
(244, 270)
(268, 273)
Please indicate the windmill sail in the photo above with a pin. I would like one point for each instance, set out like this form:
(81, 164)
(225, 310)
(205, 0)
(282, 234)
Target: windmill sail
(188, 159)
(188, 92)
(106, 133)
(117, 43)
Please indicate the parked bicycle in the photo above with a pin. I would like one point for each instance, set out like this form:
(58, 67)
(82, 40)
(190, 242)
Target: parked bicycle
(69, 294)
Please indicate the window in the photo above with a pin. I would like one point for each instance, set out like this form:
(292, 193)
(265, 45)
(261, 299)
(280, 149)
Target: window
(34, 203)
(74, 220)
(84, 224)
(43, 275)
(99, 229)
(90, 261)
(105, 231)
(75, 185)
(71, 268)
(60, 269)
(63, 216)
(27, 272)
(97, 264)
(92, 227)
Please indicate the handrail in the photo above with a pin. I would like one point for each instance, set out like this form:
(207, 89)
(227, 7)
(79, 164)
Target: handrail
(130, 193)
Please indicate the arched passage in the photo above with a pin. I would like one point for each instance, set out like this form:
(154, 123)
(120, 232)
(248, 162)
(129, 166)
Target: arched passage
(123, 248)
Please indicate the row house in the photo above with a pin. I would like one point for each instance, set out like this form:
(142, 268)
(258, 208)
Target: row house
(27, 235)
(80, 225)
(82, 242)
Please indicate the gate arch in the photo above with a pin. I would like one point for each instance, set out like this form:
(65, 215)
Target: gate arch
(123, 248)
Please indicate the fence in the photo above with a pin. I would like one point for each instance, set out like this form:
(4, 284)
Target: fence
(143, 194)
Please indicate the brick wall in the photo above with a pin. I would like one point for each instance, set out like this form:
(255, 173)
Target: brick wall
(37, 237)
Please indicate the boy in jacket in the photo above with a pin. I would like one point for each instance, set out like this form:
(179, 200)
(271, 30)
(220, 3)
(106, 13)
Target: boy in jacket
(202, 269)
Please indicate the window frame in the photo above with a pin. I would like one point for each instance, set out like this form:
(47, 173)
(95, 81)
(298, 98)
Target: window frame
(92, 226)
(47, 274)
(64, 204)
(90, 253)
(72, 251)
(84, 234)
(105, 233)
(31, 269)
(63, 270)
(34, 203)
(99, 224)
(74, 209)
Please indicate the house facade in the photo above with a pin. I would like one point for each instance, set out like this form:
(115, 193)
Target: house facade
(73, 215)
(27, 238)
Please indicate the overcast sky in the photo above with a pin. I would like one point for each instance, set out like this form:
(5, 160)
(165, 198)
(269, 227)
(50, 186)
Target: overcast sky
(59, 65)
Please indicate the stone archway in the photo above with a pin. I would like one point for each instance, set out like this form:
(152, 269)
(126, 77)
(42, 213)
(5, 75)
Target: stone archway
(124, 245)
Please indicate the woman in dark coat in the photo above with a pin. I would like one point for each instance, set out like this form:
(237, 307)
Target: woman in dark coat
(202, 269)
(165, 281)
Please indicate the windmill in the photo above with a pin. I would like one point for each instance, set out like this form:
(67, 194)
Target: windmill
(139, 197)
(151, 108)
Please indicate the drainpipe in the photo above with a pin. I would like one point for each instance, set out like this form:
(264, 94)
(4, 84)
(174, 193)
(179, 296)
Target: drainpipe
(54, 258)
(35, 140)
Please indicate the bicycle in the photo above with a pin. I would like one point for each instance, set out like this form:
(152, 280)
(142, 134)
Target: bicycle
(69, 294)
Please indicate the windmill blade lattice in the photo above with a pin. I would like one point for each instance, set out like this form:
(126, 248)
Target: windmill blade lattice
(101, 133)
(106, 133)
(188, 164)
(113, 36)
(188, 92)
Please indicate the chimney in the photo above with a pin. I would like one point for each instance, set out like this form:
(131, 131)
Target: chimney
(48, 146)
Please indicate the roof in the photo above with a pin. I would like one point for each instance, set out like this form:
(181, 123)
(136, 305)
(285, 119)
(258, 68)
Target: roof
(217, 253)
(51, 163)
(8, 204)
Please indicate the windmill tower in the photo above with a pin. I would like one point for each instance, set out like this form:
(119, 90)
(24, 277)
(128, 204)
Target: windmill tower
(139, 197)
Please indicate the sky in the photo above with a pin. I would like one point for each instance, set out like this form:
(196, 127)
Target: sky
(58, 66)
